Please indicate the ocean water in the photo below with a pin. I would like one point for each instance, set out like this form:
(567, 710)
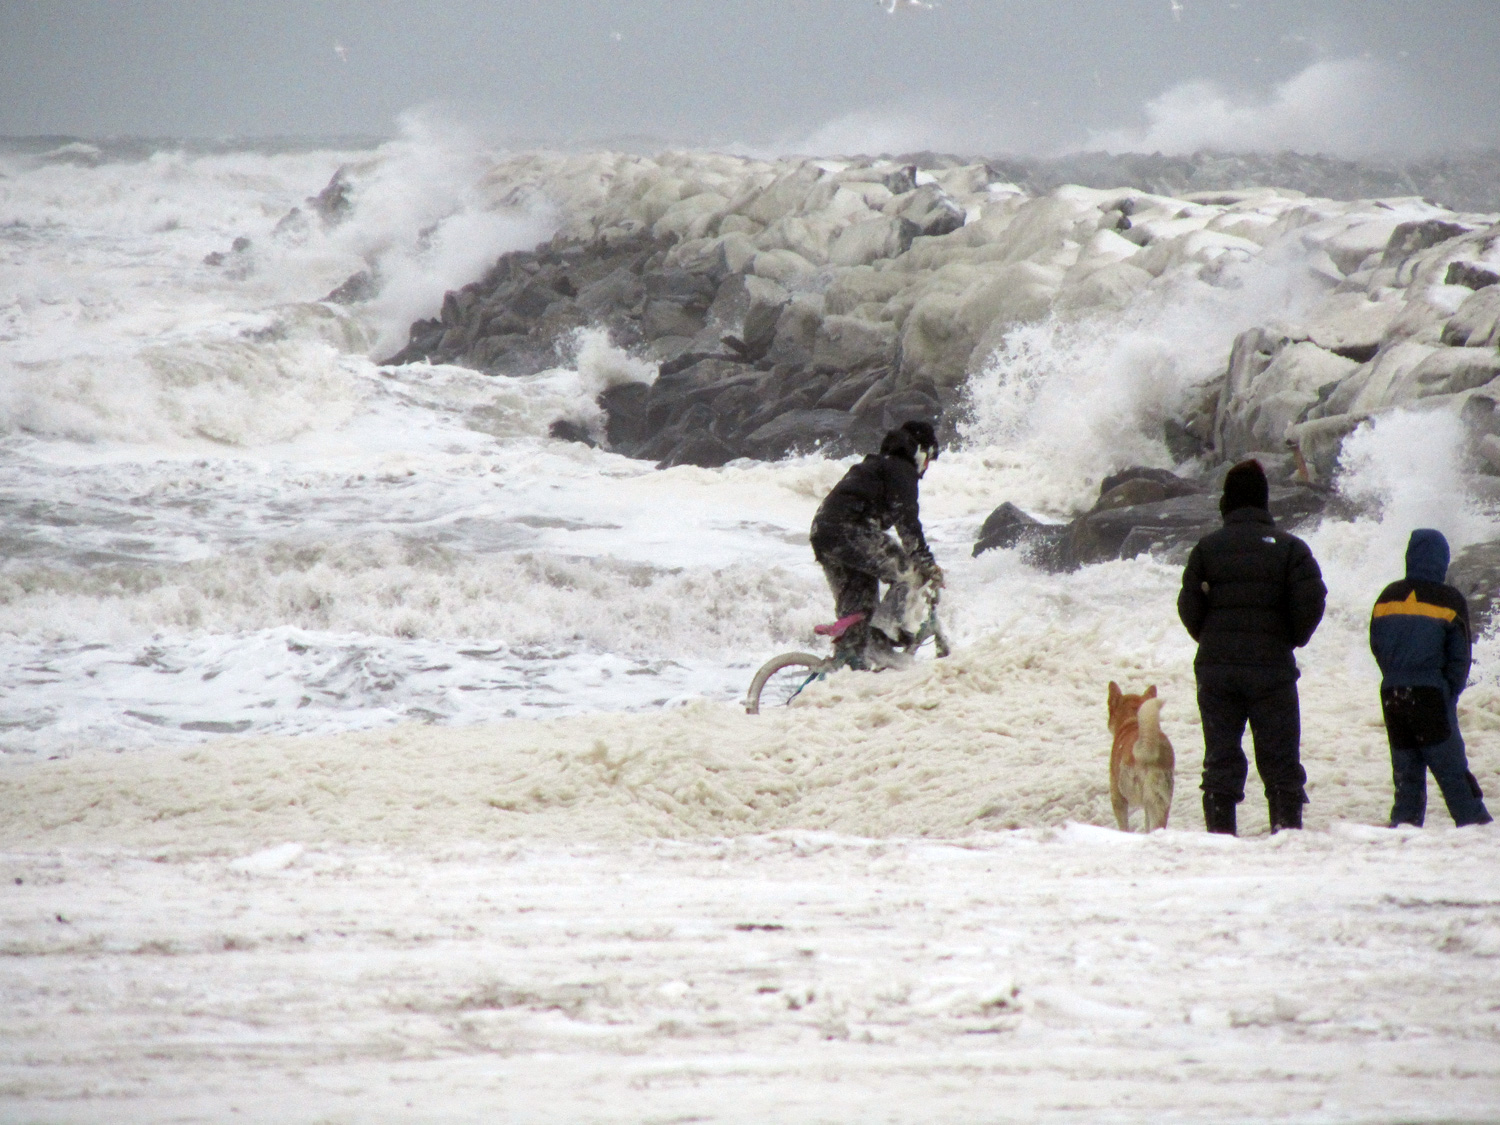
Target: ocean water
(222, 516)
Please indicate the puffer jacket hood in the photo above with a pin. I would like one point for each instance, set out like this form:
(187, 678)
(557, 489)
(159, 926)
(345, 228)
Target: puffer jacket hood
(1426, 556)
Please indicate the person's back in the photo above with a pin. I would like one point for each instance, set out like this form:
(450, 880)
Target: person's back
(1419, 635)
(880, 492)
(1259, 593)
(1419, 630)
(1250, 595)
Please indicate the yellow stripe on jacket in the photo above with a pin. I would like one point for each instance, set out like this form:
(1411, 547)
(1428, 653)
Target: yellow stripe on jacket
(1413, 608)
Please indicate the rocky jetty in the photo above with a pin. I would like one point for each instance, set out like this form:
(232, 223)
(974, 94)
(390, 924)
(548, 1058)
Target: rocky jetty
(754, 286)
(798, 305)
(1408, 318)
(1411, 319)
(748, 367)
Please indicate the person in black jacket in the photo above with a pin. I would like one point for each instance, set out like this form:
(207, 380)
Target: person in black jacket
(849, 537)
(1419, 633)
(1250, 595)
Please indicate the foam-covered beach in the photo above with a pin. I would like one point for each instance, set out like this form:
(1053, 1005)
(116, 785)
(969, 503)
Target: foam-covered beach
(895, 892)
(1003, 735)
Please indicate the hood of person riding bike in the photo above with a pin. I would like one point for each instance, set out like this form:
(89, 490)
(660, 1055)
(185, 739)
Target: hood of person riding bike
(850, 541)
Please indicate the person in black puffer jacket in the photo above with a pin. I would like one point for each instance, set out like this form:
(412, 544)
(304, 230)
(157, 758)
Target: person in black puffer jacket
(849, 537)
(1419, 633)
(1250, 595)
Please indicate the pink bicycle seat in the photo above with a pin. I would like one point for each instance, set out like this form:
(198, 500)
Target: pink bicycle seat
(839, 627)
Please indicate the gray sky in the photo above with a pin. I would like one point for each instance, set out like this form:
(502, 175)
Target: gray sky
(1033, 76)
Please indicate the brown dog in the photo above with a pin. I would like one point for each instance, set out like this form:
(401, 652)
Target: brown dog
(1141, 763)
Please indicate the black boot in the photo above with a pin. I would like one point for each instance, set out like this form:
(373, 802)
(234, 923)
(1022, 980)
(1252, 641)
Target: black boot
(1218, 813)
(1285, 807)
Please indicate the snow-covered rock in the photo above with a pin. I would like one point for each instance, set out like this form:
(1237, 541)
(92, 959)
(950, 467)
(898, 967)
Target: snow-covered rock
(929, 271)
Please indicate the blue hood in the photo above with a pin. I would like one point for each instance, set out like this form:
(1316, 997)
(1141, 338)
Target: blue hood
(1426, 556)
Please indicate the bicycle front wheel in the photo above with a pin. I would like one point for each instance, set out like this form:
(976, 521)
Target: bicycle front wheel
(782, 678)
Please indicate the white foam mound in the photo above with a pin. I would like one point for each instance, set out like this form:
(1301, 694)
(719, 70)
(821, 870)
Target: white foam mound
(1002, 735)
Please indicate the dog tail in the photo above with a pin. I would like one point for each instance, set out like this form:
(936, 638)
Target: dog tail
(1149, 745)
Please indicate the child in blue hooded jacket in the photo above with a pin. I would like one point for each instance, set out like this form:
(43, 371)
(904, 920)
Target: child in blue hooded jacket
(1419, 633)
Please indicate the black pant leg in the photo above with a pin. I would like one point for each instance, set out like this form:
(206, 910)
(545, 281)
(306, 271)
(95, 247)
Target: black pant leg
(854, 591)
(1450, 769)
(1409, 777)
(1224, 710)
(1276, 726)
(856, 560)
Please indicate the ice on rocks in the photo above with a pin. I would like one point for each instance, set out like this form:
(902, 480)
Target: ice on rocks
(964, 260)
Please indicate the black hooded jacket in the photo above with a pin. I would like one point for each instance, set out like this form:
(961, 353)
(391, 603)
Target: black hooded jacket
(1250, 593)
(877, 494)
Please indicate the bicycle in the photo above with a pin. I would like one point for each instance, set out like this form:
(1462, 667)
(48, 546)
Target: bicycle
(782, 678)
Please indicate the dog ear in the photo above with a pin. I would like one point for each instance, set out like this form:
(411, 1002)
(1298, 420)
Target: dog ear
(1114, 694)
(1150, 692)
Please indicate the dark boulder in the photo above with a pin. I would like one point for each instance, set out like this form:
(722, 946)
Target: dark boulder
(902, 180)
(1171, 527)
(745, 314)
(802, 431)
(1131, 518)
(1130, 493)
(845, 392)
(1470, 274)
(759, 331)
(664, 318)
(423, 340)
(531, 300)
(787, 386)
(889, 402)
(620, 289)
(933, 211)
(556, 325)
(796, 334)
(691, 438)
(625, 410)
(508, 353)
(1124, 532)
(1410, 238)
(1168, 484)
(500, 320)
(1181, 442)
(335, 201)
(542, 295)
(565, 429)
(706, 450)
(1007, 526)
(676, 391)
(677, 304)
(456, 305)
(356, 287)
(682, 362)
